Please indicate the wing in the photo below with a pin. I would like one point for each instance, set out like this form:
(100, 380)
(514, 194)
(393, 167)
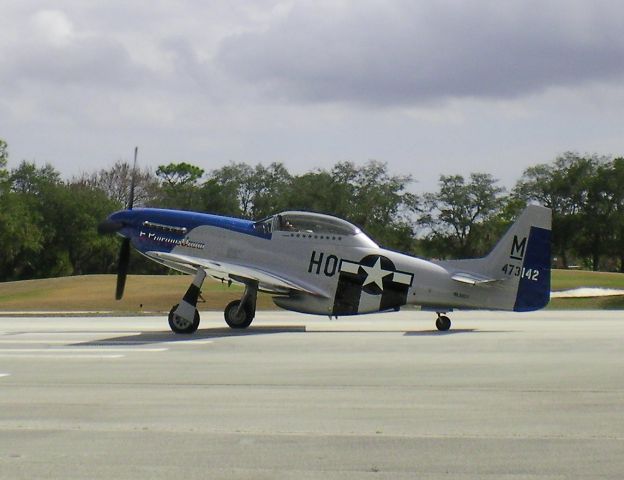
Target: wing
(267, 281)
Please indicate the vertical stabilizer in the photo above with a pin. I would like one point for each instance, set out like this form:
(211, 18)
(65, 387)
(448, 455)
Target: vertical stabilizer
(518, 268)
(523, 257)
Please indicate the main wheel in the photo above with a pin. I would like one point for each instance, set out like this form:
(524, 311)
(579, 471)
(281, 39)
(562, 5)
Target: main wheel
(182, 325)
(240, 320)
(443, 323)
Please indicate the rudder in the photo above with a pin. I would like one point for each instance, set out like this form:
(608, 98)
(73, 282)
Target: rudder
(534, 285)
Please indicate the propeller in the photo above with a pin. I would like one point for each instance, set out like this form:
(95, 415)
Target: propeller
(124, 251)
(132, 179)
(122, 268)
(109, 226)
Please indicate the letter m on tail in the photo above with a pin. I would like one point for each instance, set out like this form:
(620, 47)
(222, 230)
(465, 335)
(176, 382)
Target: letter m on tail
(517, 248)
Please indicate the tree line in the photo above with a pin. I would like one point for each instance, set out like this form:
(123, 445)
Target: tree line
(48, 225)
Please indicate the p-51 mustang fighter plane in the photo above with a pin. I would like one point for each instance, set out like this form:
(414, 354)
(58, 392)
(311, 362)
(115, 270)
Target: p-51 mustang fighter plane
(319, 264)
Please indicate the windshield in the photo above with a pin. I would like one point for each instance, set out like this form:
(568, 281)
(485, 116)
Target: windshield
(313, 223)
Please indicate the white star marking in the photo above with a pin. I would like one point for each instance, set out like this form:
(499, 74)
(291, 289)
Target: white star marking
(375, 274)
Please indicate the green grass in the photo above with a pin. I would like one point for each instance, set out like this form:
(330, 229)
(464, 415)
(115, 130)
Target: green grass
(568, 279)
(144, 293)
(157, 293)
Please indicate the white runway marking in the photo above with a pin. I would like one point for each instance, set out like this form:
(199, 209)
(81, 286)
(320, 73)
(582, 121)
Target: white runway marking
(80, 349)
(108, 343)
(94, 342)
(18, 342)
(63, 342)
(4, 374)
(57, 356)
(69, 334)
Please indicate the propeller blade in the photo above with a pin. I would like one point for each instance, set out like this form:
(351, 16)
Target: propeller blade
(132, 181)
(122, 269)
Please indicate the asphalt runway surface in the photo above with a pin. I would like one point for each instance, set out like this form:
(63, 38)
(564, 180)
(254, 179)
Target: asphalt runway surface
(513, 396)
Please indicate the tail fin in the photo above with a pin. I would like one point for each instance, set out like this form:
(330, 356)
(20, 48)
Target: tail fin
(518, 268)
(524, 254)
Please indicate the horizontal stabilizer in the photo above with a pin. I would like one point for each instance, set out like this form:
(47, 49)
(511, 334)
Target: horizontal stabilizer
(472, 278)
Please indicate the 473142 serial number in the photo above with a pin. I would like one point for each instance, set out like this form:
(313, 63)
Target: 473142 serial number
(518, 271)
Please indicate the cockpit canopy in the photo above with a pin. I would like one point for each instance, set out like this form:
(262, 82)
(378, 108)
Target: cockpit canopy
(307, 222)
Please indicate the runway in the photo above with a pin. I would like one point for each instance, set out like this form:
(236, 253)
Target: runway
(522, 396)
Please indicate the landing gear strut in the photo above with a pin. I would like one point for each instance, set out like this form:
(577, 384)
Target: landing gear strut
(184, 317)
(443, 323)
(240, 313)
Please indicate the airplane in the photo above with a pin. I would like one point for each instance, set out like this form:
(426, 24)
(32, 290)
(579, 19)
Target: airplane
(320, 264)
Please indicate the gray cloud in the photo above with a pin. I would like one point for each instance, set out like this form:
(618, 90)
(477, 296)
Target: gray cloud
(49, 51)
(201, 81)
(412, 52)
(96, 62)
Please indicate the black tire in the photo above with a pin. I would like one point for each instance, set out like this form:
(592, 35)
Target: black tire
(179, 325)
(443, 323)
(240, 321)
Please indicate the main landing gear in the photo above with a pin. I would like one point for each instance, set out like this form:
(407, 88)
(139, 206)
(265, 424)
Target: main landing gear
(240, 313)
(184, 317)
(443, 323)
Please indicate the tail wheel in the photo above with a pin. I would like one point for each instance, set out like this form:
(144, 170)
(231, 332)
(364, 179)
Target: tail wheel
(179, 324)
(443, 323)
(236, 319)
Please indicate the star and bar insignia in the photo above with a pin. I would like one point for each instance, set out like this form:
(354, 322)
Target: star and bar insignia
(372, 284)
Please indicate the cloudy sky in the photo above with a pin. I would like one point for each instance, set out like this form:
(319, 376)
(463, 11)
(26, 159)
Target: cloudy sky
(428, 87)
